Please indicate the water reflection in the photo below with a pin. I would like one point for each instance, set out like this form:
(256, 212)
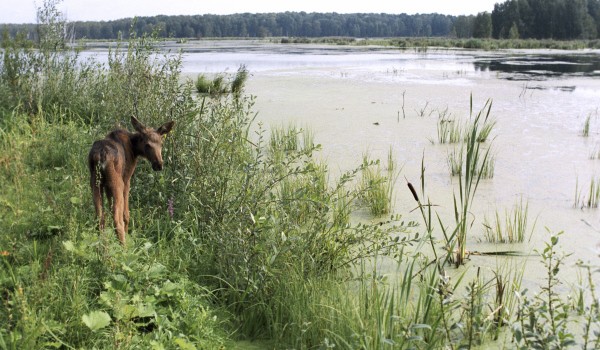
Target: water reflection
(541, 66)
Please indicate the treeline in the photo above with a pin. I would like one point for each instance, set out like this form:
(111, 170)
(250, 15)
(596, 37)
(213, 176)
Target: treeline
(513, 19)
(288, 24)
(546, 19)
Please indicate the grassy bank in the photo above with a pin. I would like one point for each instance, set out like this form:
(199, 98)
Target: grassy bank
(463, 43)
(240, 237)
(222, 240)
(408, 43)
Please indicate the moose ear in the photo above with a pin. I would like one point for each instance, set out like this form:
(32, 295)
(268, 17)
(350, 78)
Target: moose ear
(165, 128)
(137, 125)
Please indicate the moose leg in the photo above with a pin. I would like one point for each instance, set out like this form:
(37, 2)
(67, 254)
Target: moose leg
(126, 206)
(98, 199)
(118, 207)
(114, 191)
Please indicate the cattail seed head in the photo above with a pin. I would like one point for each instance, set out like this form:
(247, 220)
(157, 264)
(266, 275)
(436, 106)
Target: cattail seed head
(412, 190)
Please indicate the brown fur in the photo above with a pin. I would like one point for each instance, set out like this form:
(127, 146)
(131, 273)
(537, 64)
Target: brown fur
(112, 162)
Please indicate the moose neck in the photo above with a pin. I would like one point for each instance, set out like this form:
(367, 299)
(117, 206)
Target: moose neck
(137, 144)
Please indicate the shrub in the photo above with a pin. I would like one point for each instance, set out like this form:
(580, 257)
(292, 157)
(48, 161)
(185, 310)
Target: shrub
(238, 83)
(203, 84)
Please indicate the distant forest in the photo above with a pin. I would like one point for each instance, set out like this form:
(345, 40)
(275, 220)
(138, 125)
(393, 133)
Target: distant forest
(512, 19)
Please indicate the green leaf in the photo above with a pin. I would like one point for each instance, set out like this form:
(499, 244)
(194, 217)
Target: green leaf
(96, 320)
(414, 338)
(184, 344)
(126, 312)
(518, 335)
(69, 246)
(157, 270)
(144, 310)
(420, 326)
(156, 345)
(169, 288)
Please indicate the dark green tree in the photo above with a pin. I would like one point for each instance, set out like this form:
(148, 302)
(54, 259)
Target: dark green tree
(482, 25)
(463, 27)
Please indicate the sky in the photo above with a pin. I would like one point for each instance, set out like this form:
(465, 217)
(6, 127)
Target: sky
(23, 11)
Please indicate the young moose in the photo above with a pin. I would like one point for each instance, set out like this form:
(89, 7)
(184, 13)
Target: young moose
(112, 162)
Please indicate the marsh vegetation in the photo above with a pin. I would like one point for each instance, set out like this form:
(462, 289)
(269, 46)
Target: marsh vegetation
(247, 234)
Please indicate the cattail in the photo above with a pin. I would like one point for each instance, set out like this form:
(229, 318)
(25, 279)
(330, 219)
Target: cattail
(412, 190)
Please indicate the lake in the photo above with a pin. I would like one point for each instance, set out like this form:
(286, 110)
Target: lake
(367, 99)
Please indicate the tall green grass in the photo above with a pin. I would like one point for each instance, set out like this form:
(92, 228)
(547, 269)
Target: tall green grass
(592, 197)
(468, 135)
(475, 163)
(511, 228)
(285, 138)
(220, 84)
(470, 162)
(452, 130)
(377, 184)
(423, 43)
(449, 131)
(456, 162)
(485, 304)
(585, 132)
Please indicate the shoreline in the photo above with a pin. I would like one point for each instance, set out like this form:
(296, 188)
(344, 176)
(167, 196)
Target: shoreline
(400, 43)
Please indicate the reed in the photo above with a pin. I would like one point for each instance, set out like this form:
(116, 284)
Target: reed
(303, 194)
(377, 186)
(455, 161)
(595, 153)
(222, 84)
(476, 159)
(423, 111)
(512, 228)
(585, 132)
(488, 166)
(505, 285)
(308, 138)
(593, 194)
(488, 125)
(239, 81)
(592, 200)
(577, 200)
(449, 130)
(214, 87)
(285, 138)
(342, 208)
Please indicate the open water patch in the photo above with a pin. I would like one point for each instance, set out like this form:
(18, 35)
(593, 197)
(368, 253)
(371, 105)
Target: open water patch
(539, 66)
